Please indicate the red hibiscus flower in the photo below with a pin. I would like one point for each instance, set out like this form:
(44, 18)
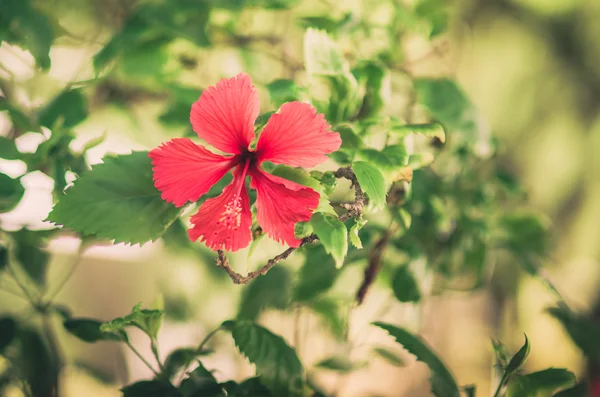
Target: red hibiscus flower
(224, 117)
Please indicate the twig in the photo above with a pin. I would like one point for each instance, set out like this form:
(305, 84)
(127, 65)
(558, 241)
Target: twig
(353, 210)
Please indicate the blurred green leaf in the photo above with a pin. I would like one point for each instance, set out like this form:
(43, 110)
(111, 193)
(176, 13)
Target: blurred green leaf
(20, 121)
(88, 330)
(333, 235)
(317, 274)
(276, 363)
(340, 364)
(67, 109)
(3, 256)
(178, 359)
(435, 13)
(29, 246)
(391, 158)
(201, 383)
(541, 383)
(116, 200)
(269, 291)
(21, 23)
(150, 388)
(322, 56)
(8, 332)
(331, 315)
(350, 140)
(405, 286)
(501, 353)
(371, 181)
(449, 105)
(283, 90)
(583, 330)
(11, 192)
(36, 363)
(442, 381)
(389, 356)
(579, 390)
(326, 23)
(249, 388)
(372, 76)
(8, 149)
(525, 233)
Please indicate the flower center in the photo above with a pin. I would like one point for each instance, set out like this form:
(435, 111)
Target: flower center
(231, 217)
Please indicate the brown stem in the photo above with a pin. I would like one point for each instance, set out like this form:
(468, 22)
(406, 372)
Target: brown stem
(353, 210)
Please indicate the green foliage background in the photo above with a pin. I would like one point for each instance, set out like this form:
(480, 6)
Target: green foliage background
(508, 208)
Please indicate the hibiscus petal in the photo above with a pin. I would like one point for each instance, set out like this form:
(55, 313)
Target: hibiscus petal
(224, 115)
(297, 136)
(281, 204)
(184, 171)
(224, 222)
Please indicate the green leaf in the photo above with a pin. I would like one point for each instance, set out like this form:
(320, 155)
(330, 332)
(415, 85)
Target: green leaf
(8, 332)
(354, 237)
(30, 253)
(8, 150)
(36, 363)
(371, 181)
(21, 122)
(331, 315)
(116, 200)
(333, 235)
(88, 330)
(540, 383)
(177, 360)
(442, 381)
(269, 291)
(340, 364)
(449, 105)
(374, 76)
(3, 256)
(148, 321)
(435, 13)
(579, 390)
(283, 90)
(150, 388)
(301, 177)
(431, 130)
(405, 286)
(276, 363)
(501, 354)
(321, 55)
(11, 193)
(201, 383)
(525, 232)
(389, 356)
(67, 109)
(317, 274)
(517, 360)
(249, 388)
(350, 140)
(582, 330)
(391, 158)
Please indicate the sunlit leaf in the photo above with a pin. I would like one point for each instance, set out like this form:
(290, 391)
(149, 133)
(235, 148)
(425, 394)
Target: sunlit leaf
(371, 181)
(333, 235)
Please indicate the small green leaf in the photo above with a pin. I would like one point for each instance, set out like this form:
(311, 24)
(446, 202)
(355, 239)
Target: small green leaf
(11, 192)
(302, 229)
(579, 390)
(375, 77)
(8, 332)
(354, 237)
(8, 150)
(340, 364)
(431, 130)
(201, 383)
(517, 360)
(525, 233)
(442, 381)
(405, 286)
(30, 253)
(501, 354)
(546, 382)
(317, 274)
(276, 363)
(321, 55)
(269, 291)
(68, 109)
(371, 181)
(389, 356)
(148, 321)
(88, 330)
(36, 363)
(350, 140)
(581, 328)
(150, 388)
(116, 200)
(333, 235)
(283, 90)
(262, 119)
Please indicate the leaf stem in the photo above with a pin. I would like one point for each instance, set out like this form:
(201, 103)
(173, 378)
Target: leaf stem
(154, 347)
(137, 353)
(70, 272)
(200, 347)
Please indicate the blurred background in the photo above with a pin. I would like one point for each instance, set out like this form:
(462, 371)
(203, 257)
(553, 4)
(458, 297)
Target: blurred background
(530, 66)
